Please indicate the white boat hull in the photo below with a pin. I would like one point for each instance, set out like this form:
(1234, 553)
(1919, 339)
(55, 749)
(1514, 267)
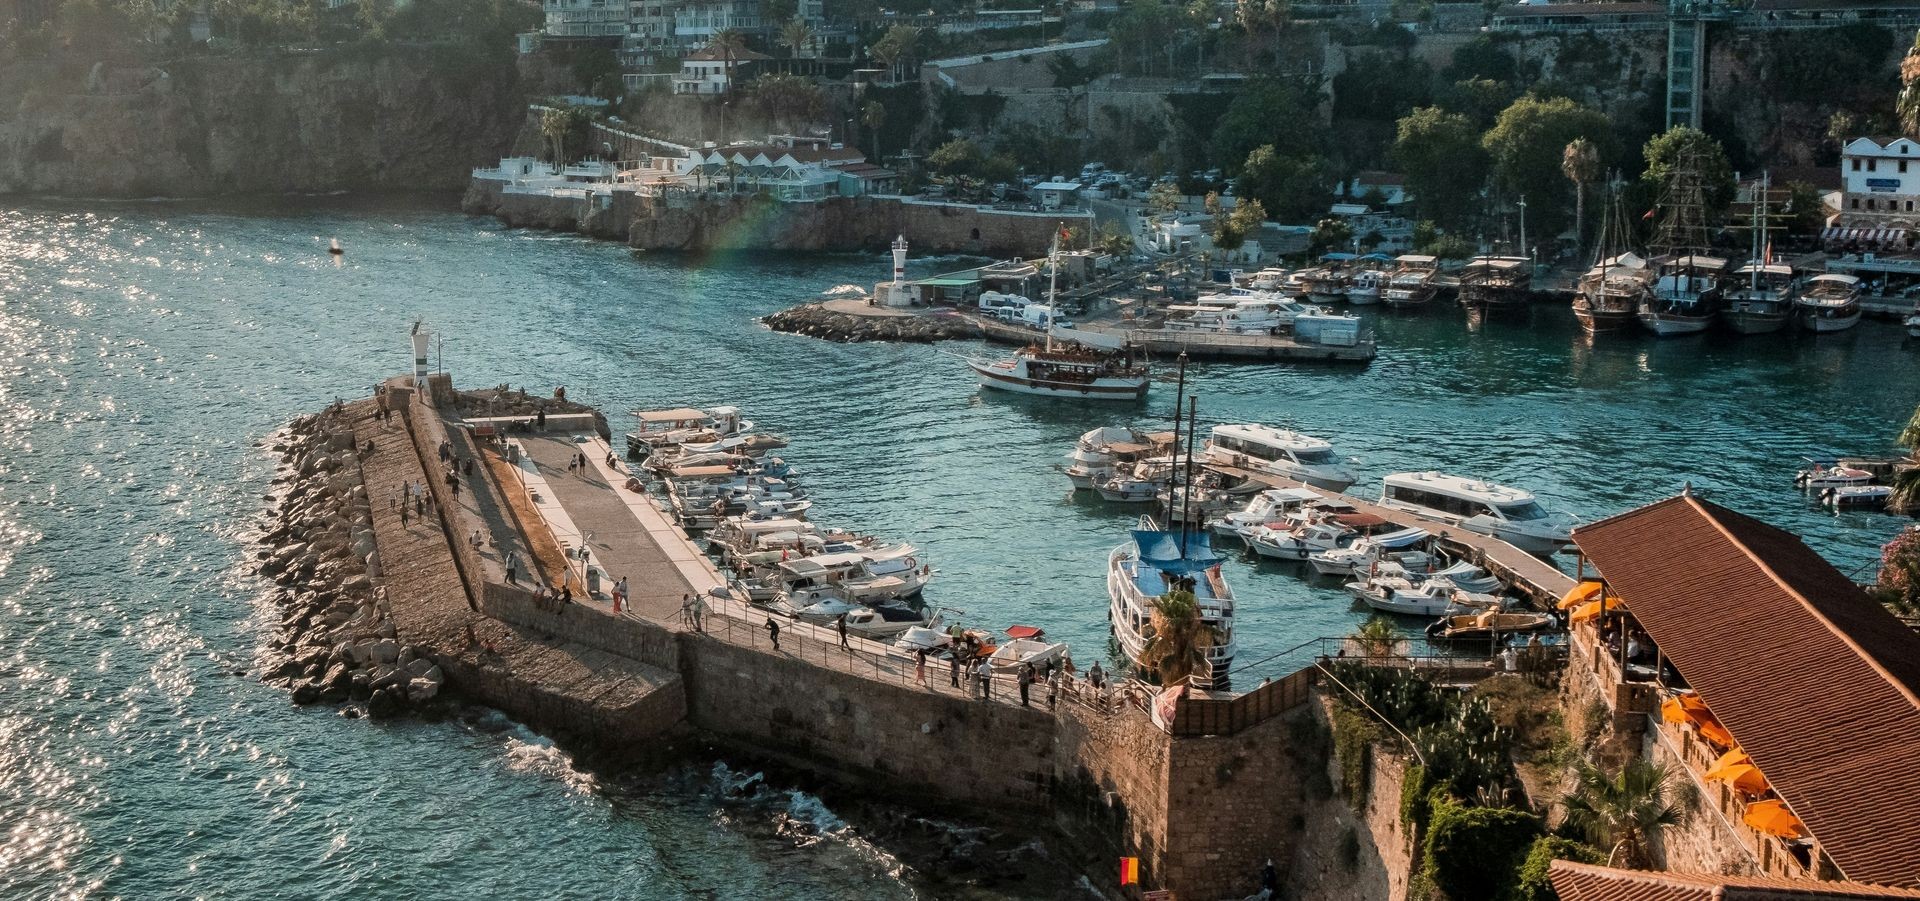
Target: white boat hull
(992, 376)
(1818, 324)
(1669, 324)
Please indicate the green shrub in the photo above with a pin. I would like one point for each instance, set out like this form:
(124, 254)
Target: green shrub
(1353, 737)
(1475, 853)
(1533, 884)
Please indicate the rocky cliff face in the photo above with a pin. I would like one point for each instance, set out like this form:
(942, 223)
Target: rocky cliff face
(402, 120)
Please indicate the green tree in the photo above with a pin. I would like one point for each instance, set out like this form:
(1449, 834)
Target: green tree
(1580, 163)
(789, 100)
(1476, 852)
(796, 36)
(1805, 211)
(1898, 584)
(1293, 188)
(1115, 239)
(1377, 637)
(1267, 112)
(1526, 145)
(956, 157)
(1164, 197)
(1622, 812)
(897, 46)
(1441, 155)
(1331, 233)
(873, 115)
(1178, 639)
(1664, 149)
(1479, 99)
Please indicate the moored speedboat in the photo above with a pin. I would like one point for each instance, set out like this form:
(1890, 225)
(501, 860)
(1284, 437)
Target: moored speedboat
(1138, 483)
(1830, 474)
(1152, 563)
(1491, 625)
(1850, 496)
(1509, 514)
(1830, 303)
(1365, 553)
(1025, 646)
(1265, 507)
(1280, 452)
(1364, 287)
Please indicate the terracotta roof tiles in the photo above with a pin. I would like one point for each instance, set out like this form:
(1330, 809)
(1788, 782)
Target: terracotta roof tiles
(1819, 683)
(1584, 882)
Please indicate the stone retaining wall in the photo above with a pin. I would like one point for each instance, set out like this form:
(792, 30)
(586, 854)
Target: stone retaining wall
(634, 639)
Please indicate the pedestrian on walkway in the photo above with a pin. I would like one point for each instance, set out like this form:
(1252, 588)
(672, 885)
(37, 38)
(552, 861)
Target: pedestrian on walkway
(773, 632)
(1026, 683)
(985, 675)
(699, 609)
(513, 566)
(453, 484)
(466, 466)
(953, 668)
(840, 625)
(403, 517)
(1096, 677)
(419, 507)
(686, 609)
(570, 462)
(1053, 688)
(920, 667)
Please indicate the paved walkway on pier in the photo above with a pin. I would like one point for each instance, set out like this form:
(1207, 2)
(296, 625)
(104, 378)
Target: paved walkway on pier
(1542, 579)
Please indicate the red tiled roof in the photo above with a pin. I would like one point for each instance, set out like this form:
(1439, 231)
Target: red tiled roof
(1819, 683)
(1585, 882)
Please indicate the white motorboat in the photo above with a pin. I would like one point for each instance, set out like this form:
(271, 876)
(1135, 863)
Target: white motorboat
(888, 619)
(1411, 283)
(1310, 531)
(1098, 452)
(1364, 287)
(1269, 279)
(1468, 577)
(1424, 597)
(1847, 496)
(859, 576)
(1823, 474)
(1830, 303)
(1240, 316)
(1509, 514)
(922, 638)
(1138, 483)
(1025, 646)
(1685, 295)
(1280, 452)
(1265, 507)
(1365, 553)
(1153, 562)
(1197, 506)
(741, 534)
(1913, 323)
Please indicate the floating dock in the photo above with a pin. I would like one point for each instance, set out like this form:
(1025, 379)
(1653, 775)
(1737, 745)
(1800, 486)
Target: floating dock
(1168, 343)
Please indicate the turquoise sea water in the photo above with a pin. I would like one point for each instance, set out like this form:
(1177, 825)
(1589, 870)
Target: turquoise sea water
(144, 348)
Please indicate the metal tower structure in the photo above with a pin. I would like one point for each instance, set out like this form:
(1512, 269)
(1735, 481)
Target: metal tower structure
(1687, 56)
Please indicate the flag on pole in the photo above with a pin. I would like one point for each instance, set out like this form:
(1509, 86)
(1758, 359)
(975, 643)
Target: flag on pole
(1129, 870)
(1064, 234)
(1647, 215)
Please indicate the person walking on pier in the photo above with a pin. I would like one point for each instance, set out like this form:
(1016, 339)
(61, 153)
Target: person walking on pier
(699, 605)
(1053, 688)
(985, 675)
(403, 516)
(1096, 677)
(773, 632)
(513, 565)
(840, 625)
(920, 667)
(686, 610)
(953, 667)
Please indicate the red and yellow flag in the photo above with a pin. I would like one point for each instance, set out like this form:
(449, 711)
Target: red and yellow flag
(1129, 870)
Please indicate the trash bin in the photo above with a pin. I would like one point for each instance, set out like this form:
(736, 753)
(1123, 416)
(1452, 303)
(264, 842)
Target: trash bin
(593, 581)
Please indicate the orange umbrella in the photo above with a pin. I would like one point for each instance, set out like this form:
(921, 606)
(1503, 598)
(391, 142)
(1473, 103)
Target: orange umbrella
(1712, 731)
(1585, 591)
(1743, 776)
(1773, 818)
(1727, 761)
(1591, 609)
(1684, 708)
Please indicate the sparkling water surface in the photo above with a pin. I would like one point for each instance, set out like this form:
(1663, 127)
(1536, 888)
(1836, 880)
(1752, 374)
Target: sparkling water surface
(146, 348)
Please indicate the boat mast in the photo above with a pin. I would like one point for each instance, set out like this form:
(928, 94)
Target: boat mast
(1759, 227)
(1053, 286)
(1186, 490)
(1179, 398)
(1683, 231)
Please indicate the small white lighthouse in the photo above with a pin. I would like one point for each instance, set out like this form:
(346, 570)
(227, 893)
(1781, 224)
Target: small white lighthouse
(895, 293)
(420, 341)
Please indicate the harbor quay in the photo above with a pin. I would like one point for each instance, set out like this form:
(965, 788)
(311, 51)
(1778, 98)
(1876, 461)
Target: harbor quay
(469, 514)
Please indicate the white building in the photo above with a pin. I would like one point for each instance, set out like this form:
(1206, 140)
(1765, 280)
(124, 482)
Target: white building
(695, 22)
(586, 18)
(1058, 195)
(1880, 183)
(713, 71)
(649, 32)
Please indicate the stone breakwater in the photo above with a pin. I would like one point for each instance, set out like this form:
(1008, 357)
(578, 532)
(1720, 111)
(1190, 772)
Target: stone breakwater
(337, 642)
(834, 322)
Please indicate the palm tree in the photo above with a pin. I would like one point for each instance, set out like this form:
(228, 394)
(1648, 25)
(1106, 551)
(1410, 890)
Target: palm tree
(1906, 477)
(554, 125)
(873, 115)
(727, 42)
(732, 168)
(1179, 639)
(1907, 105)
(1580, 162)
(1376, 637)
(1623, 813)
(796, 36)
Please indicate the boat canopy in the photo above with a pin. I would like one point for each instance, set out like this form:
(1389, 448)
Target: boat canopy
(683, 414)
(1029, 632)
(1336, 257)
(1161, 550)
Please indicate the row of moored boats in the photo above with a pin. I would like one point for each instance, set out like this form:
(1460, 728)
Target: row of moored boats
(718, 476)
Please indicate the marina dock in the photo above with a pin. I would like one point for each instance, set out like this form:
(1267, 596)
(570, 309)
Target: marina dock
(1166, 343)
(1538, 579)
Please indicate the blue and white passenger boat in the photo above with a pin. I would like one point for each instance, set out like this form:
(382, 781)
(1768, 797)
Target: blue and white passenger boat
(1155, 561)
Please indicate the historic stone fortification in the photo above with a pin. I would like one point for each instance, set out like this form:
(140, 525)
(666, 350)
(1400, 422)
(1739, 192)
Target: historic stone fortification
(1202, 811)
(410, 120)
(747, 222)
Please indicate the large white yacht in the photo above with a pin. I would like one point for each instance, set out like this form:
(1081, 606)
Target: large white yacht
(1155, 561)
(1509, 514)
(1281, 452)
(1238, 314)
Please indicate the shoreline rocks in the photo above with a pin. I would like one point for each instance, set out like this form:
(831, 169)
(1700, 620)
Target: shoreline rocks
(818, 320)
(336, 644)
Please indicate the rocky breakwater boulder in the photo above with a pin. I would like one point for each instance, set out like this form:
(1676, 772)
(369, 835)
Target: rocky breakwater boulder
(336, 643)
(834, 321)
